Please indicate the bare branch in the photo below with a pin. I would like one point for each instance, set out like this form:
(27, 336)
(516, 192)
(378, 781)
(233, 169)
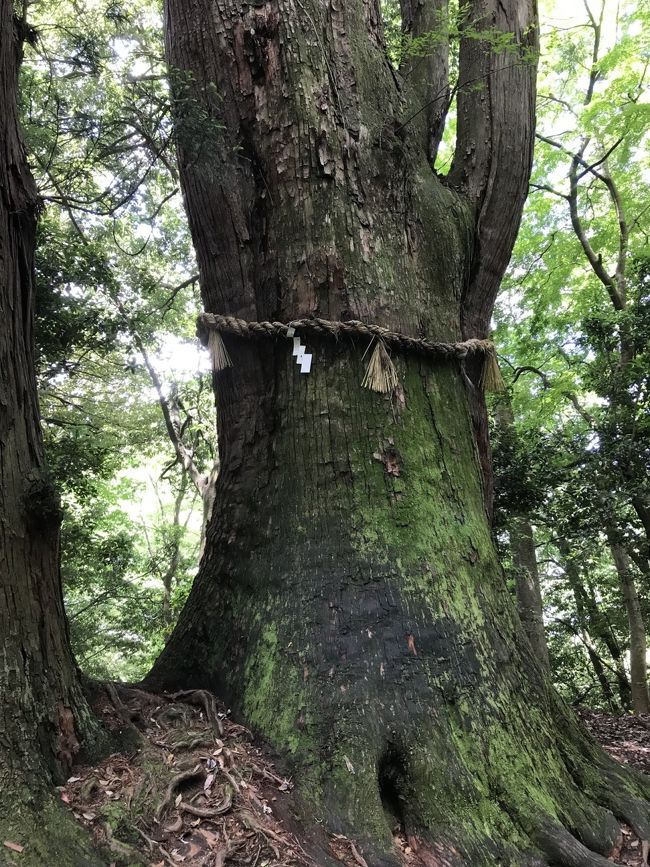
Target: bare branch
(595, 260)
(545, 188)
(170, 415)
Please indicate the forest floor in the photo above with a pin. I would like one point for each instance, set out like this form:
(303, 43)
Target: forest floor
(198, 792)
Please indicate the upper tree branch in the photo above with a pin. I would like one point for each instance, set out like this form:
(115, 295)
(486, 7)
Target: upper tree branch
(428, 69)
(595, 260)
(494, 147)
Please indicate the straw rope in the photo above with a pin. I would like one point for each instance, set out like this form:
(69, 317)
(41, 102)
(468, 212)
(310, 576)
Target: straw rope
(209, 324)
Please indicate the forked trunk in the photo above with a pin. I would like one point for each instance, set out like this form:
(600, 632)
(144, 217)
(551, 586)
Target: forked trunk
(43, 716)
(349, 604)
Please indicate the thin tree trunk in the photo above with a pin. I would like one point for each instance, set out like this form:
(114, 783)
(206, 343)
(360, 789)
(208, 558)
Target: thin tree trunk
(529, 596)
(43, 715)
(522, 547)
(593, 624)
(349, 602)
(638, 649)
(170, 575)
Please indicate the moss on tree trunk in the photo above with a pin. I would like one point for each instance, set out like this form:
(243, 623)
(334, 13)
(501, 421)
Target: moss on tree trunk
(349, 603)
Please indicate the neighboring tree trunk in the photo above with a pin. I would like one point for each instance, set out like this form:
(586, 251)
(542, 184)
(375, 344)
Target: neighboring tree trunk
(349, 602)
(204, 482)
(43, 715)
(174, 536)
(529, 595)
(593, 624)
(638, 649)
(524, 558)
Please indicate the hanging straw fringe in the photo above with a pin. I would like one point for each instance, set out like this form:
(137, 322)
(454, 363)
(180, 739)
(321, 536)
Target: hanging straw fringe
(218, 352)
(380, 375)
(491, 378)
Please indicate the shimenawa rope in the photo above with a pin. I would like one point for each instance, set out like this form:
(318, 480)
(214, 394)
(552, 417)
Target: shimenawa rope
(380, 374)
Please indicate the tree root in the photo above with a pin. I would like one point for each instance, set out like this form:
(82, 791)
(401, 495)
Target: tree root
(192, 740)
(208, 812)
(563, 848)
(204, 699)
(174, 783)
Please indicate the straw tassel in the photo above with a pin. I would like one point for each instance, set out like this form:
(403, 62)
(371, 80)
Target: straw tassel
(491, 378)
(380, 375)
(218, 352)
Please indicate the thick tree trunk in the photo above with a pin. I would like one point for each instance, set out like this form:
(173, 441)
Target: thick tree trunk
(638, 648)
(349, 604)
(529, 595)
(43, 715)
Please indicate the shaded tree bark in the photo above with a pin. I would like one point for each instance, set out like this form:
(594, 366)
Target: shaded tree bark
(43, 717)
(349, 604)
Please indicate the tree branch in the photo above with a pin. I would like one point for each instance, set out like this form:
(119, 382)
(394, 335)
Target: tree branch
(429, 71)
(494, 146)
(170, 416)
(595, 260)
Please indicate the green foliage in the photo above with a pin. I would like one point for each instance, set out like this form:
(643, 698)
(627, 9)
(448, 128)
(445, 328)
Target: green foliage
(574, 334)
(114, 275)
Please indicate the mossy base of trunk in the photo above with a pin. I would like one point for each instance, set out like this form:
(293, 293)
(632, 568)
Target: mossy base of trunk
(46, 829)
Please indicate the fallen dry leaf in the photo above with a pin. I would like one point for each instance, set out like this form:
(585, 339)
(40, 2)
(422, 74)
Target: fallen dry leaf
(15, 847)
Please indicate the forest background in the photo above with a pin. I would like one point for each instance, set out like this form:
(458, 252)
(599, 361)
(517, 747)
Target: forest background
(125, 388)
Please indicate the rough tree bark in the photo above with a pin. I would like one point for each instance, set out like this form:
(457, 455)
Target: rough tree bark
(43, 715)
(349, 603)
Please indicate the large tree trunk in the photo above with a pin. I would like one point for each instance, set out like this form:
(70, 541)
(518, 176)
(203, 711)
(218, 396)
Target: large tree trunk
(43, 715)
(349, 604)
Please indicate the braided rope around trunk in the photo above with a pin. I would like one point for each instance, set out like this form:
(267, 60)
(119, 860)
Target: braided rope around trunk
(380, 373)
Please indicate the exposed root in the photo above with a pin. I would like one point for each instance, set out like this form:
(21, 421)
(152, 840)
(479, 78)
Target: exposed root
(201, 798)
(196, 798)
(563, 848)
(174, 783)
(204, 699)
(208, 812)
